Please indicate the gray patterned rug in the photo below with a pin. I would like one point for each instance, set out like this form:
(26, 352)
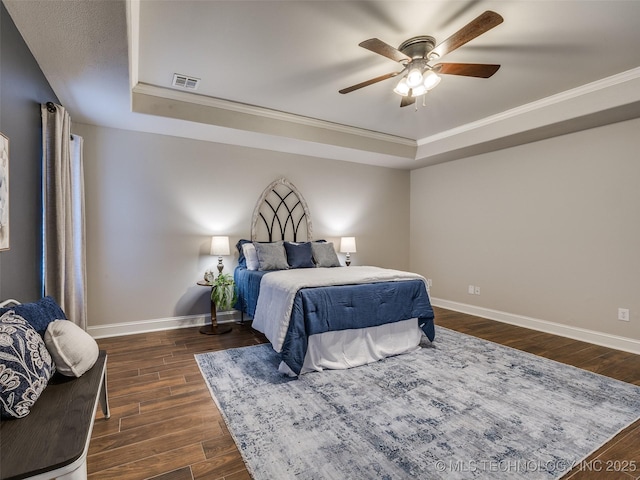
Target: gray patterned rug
(460, 408)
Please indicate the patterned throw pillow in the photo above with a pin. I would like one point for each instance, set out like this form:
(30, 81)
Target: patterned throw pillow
(25, 366)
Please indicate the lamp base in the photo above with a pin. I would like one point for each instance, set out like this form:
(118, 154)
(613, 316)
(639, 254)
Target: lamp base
(215, 329)
(220, 265)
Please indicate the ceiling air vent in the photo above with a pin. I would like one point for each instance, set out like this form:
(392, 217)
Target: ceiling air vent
(185, 81)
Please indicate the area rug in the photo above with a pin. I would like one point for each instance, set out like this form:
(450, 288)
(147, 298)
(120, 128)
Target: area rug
(461, 407)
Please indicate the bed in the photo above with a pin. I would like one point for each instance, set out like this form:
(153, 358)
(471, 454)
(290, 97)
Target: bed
(316, 313)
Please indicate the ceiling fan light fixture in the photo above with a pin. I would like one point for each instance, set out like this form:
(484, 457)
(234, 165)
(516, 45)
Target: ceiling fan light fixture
(402, 88)
(431, 79)
(419, 90)
(416, 53)
(414, 77)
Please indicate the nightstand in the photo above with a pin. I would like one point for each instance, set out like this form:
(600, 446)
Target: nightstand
(213, 328)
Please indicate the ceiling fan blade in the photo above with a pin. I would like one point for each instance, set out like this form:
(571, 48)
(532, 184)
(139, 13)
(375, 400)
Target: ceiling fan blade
(479, 70)
(368, 82)
(378, 46)
(407, 101)
(473, 29)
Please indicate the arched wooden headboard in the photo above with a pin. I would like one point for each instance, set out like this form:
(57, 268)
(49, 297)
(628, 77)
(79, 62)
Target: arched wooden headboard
(281, 213)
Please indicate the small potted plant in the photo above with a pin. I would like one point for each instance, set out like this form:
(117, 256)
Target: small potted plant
(223, 293)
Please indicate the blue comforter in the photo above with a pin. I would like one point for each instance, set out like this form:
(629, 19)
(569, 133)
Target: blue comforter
(322, 309)
(248, 288)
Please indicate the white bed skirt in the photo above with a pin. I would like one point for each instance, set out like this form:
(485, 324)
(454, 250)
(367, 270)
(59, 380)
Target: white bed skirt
(351, 348)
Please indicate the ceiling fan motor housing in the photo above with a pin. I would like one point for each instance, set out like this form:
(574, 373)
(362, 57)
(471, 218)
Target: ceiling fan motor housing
(418, 47)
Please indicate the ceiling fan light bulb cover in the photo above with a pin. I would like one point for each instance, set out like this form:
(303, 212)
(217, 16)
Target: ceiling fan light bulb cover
(402, 88)
(414, 77)
(431, 79)
(419, 90)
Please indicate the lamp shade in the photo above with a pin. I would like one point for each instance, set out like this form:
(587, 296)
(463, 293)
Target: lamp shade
(348, 245)
(220, 246)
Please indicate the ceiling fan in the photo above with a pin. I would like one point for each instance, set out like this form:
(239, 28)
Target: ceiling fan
(415, 54)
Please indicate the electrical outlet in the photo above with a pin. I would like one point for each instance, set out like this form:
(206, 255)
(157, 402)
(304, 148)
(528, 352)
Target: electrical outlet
(471, 290)
(623, 314)
(429, 283)
(477, 291)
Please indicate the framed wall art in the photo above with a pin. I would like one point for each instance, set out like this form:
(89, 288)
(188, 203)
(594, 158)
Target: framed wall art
(4, 192)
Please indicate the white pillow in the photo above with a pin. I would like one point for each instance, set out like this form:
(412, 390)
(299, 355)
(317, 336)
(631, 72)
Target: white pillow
(251, 256)
(73, 350)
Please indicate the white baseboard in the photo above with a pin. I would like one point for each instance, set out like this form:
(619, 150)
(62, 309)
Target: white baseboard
(591, 336)
(144, 326)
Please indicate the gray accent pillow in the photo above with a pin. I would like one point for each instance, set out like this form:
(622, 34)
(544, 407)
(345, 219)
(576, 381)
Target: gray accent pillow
(271, 256)
(324, 254)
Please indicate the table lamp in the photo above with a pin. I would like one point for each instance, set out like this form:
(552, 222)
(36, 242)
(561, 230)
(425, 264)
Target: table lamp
(220, 247)
(348, 246)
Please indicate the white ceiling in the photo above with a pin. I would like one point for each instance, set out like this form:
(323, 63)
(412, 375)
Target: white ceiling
(270, 72)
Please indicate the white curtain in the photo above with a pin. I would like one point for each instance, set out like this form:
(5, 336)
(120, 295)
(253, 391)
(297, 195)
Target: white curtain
(63, 214)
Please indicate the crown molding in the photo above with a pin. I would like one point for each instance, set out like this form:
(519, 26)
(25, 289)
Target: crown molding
(551, 101)
(608, 100)
(242, 108)
(133, 27)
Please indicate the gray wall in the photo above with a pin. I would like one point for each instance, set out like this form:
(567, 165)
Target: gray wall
(154, 201)
(23, 88)
(548, 230)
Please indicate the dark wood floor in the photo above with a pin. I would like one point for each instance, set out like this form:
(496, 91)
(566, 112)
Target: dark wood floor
(164, 424)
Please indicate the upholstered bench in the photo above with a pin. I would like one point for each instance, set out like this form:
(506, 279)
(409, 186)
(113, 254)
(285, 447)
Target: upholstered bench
(53, 440)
